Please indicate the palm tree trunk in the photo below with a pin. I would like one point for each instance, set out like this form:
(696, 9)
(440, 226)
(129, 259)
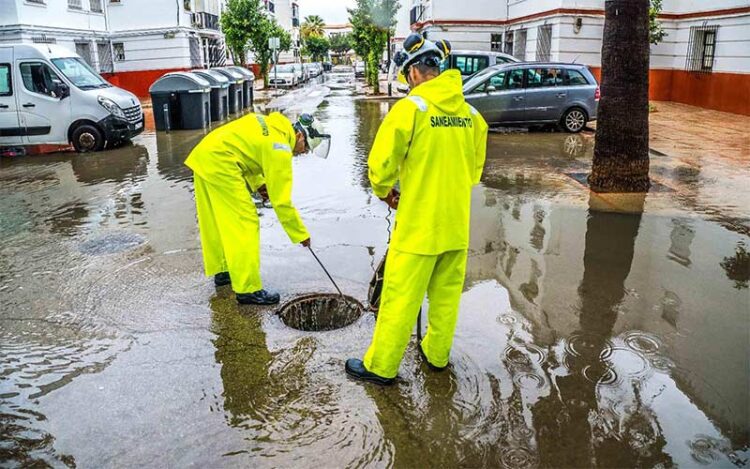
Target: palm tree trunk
(621, 161)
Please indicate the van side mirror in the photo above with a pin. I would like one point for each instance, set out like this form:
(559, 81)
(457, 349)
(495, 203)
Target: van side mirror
(62, 90)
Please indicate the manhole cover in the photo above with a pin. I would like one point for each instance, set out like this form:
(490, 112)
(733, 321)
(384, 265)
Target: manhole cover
(321, 312)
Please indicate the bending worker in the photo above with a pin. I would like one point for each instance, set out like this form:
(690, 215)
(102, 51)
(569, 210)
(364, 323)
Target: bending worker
(434, 144)
(255, 153)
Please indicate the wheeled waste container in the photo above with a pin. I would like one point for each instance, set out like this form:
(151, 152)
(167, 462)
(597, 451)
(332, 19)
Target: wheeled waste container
(247, 86)
(181, 100)
(236, 84)
(219, 93)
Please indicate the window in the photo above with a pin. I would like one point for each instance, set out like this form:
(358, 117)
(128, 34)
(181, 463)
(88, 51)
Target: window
(114, 1)
(543, 43)
(39, 78)
(96, 6)
(544, 77)
(576, 78)
(188, 5)
(496, 81)
(40, 2)
(6, 86)
(515, 79)
(508, 43)
(496, 42)
(75, 4)
(469, 64)
(118, 49)
(701, 48)
(105, 57)
(84, 50)
(519, 50)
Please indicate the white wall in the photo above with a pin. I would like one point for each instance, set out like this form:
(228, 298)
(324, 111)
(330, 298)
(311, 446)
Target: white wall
(471, 9)
(153, 52)
(130, 15)
(55, 14)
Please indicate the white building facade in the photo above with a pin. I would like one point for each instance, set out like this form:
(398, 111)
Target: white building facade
(704, 60)
(131, 42)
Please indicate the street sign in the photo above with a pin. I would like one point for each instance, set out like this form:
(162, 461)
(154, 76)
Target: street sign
(274, 43)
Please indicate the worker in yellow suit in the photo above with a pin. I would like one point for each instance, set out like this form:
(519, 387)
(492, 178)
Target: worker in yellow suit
(253, 153)
(434, 144)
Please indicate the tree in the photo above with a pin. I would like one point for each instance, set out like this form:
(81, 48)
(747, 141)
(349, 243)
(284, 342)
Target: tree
(312, 26)
(341, 43)
(262, 32)
(372, 23)
(237, 23)
(316, 47)
(656, 30)
(621, 161)
(246, 26)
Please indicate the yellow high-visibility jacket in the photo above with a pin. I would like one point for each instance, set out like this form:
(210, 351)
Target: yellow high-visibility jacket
(434, 144)
(252, 151)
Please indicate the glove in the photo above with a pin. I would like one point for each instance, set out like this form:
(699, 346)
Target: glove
(392, 199)
(263, 193)
(305, 243)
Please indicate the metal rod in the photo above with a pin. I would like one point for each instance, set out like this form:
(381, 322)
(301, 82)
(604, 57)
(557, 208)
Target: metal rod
(325, 270)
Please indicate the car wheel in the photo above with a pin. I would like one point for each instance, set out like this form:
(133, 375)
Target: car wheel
(574, 120)
(87, 138)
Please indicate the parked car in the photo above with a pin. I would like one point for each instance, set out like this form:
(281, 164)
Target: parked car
(285, 75)
(469, 62)
(359, 69)
(530, 93)
(50, 95)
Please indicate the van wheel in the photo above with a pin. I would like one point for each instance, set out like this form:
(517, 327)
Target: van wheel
(574, 120)
(87, 138)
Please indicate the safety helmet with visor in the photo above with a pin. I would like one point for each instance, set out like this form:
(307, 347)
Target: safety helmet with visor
(316, 142)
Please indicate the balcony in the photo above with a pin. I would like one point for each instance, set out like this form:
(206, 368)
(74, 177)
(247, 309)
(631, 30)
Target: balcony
(295, 22)
(202, 20)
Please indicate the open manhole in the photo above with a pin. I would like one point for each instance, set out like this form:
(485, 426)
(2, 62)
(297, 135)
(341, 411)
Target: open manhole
(321, 312)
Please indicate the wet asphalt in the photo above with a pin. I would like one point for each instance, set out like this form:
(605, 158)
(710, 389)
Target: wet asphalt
(594, 330)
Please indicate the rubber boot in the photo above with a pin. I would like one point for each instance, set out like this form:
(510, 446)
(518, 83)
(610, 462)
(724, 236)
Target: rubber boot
(260, 297)
(221, 279)
(356, 369)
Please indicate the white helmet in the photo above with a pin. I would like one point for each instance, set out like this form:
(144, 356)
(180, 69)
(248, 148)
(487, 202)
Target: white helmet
(316, 141)
(417, 49)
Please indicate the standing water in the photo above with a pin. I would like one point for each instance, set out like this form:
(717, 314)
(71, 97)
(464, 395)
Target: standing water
(594, 331)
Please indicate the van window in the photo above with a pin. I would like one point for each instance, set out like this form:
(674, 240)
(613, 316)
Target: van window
(39, 78)
(576, 78)
(471, 64)
(6, 88)
(544, 77)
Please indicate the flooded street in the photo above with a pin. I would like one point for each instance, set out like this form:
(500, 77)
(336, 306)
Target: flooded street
(594, 330)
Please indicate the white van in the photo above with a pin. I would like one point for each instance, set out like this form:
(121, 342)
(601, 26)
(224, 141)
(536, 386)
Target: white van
(49, 95)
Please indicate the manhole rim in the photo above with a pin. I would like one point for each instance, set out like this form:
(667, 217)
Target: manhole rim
(281, 309)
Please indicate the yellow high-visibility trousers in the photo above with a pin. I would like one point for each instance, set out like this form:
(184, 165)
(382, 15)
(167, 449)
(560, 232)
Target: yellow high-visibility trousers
(230, 233)
(407, 278)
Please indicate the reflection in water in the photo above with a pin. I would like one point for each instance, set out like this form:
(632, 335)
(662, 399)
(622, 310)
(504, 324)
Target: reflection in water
(682, 236)
(565, 433)
(117, 165)
(737, 267)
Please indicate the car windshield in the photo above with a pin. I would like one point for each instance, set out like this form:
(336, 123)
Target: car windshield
(284, 68)
(80, 74)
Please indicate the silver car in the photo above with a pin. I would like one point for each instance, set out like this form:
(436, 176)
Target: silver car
(535, 93)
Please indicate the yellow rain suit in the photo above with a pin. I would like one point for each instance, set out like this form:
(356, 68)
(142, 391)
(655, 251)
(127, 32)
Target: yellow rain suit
(248, 152)
(434, 144)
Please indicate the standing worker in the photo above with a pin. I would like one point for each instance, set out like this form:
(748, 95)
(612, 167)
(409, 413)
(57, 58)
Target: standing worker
(250, 153)
(434, 144)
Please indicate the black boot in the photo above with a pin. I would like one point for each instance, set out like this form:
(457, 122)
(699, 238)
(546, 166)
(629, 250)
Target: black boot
(260, 297)
(430, 365)
(356, 369)
(221, 279)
